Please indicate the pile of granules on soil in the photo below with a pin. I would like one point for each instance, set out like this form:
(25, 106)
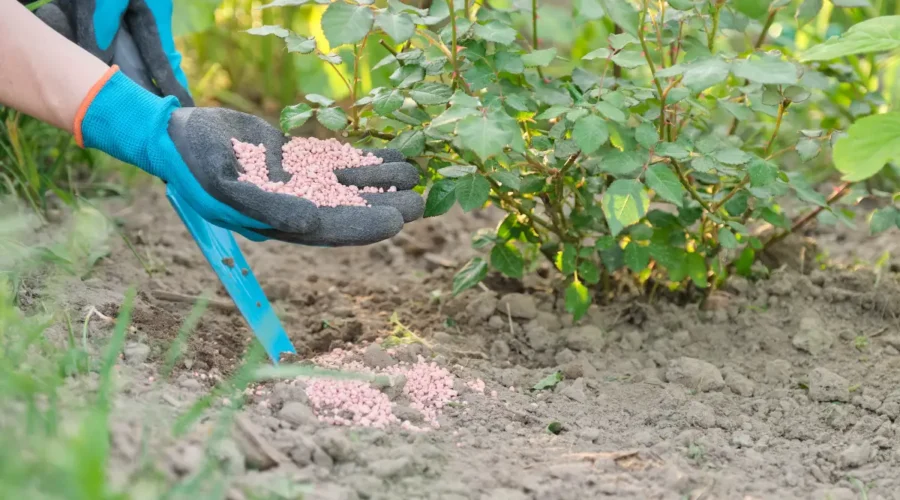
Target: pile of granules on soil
(427, 387)
(311, 163)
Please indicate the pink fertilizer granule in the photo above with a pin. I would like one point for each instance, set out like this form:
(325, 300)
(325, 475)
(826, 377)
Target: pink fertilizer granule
(350, 402)
(428, 387)
(311, 163)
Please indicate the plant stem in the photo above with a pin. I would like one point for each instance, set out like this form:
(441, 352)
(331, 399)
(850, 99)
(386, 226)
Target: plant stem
(357, 53)
(453, 49)
(690, 187)
(711, 34)
(646, 49)
(781, 110)
(765, 29)
(729, 196)
(838, 193)
(534, 31)
(468, 6)
(343, 78)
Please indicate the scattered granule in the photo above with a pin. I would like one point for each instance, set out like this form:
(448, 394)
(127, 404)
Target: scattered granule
(476, 385)
(311, 163)
(350, 402)
(429, 388)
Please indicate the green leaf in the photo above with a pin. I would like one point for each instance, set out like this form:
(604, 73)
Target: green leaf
(883, 219)
(539, 58)
(344, 23)
(808, 149)
(871, 143)
(613, 113)
(295, 116)
(619, 41)
(732, 156)
(588, 272)
(431, 93)
(578, 299)
(629, 59)
(441, 198)
(566, 259)
(808, 11)
(400, 27)
(495, 31)
(727, 238)
(482, 135)
(552, 112)
(646, 135)
(872, 35)
(507, 179)
(507, 259)
(454, 171)
(624, 203)
(601, 53)
(509, 62)
(766, 71)
(590, 133)
(665, 183)
(548, 382)
(762, 173)
(623, 14)
(411, 143)
(407, 76)
(696, 269)
(284, 3)
(470, 275)
(637, 257)
(702, 74)
(386, 103)
(300, 44)
(672, 150)
(269, 30)
(319, 99)
(472, 191)
(332, 118)
(621, 163)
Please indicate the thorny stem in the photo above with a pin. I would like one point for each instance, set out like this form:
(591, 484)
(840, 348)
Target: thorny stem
(729, 196)
(357, 52)
(643, 40)
(765, 29)
(534, 31)
(343, 78)
(453, 49)
(781, 110)
(711, 34)
(468, 6)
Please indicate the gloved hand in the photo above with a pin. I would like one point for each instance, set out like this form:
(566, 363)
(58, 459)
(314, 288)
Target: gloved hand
(136, 35)
(191, 150)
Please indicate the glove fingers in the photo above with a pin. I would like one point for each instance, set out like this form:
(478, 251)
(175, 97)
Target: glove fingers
(53, 16)
(127, 57)
(403, 176)
(388, 155)
(409, 203)
(145, 27)
(346, 226)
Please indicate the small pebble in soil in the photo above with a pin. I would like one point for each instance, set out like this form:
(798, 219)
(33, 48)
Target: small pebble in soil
(827, 386)
(694, 374)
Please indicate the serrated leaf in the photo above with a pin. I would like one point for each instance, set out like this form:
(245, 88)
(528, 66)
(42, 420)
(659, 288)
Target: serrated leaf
(407, 76)
(629, 59)
(552, 112)
(696, 269)
(732, 156)
(300, 44)
(400, 27)
(578, 299)
(472, 191)
(295, 116)
(646, 135)
(269, 30)
(482, 135)
(872, 142)
(624, 203)
(738, 110)
(590, 133)
(621, 163)
(808, 149)
(766, 71)
(319, 99)
(386, 103)
(333, 58)
(539, 58)
(672, 150)
(507, 179)
(727, 238)
(411, 143)
(665, 183)
(548, 382)
(620, 40)
(637, 257)
(470, 275)
(332, 118)
(623, 14)
(883, 219)
(872, 35)
(507, 259)
(509, 62)
(762, 174)
(454, 171)
(344, 23)
(495, 31)
(566, 259)
(431, 93)
(441, 198)
(613, 113)
(807, 11)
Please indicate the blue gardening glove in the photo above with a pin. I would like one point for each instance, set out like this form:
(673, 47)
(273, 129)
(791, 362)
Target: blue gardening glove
(191, 150)
(134, 34)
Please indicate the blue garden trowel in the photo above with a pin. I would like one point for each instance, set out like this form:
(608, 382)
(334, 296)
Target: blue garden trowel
(224, 256)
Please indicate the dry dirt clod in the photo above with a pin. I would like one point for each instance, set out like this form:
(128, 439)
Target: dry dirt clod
(575, 391)
(813, 337)
(585, 338)
(297, 413)
(694, 374)
(260, 455)
(518, 305)
(826, 386)
(856, 455)
(376, 357)
(136, 353)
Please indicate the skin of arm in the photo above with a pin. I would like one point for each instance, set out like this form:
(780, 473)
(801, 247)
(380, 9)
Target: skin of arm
(42, 74)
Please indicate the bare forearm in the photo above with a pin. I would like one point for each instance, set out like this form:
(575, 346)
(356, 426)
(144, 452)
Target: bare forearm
(42, 74)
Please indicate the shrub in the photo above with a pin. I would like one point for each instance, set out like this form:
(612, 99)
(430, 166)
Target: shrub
(648, 158)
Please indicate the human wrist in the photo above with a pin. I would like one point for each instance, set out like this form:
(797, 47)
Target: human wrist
(124, 120)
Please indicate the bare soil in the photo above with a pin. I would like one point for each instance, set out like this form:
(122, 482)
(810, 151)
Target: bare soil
(784, 388)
